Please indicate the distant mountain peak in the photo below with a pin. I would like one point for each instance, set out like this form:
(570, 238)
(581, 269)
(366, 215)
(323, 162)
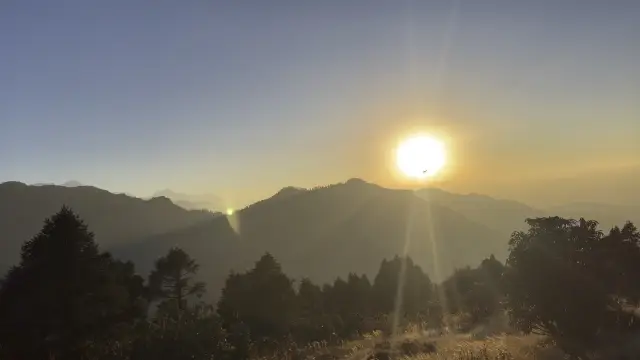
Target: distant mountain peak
(166, 193)
(359, 184)
(113, 218)
(192, 201)
(288, 191)
(72, 183)
(357, 181)
(160, 199)
(352, 225)
(12, 184)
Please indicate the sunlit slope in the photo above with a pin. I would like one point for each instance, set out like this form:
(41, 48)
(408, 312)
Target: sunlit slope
(330, 231)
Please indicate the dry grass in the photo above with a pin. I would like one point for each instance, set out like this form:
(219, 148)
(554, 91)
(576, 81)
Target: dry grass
(453, 347)
(505, 347)
(450, 347)
(493, 340)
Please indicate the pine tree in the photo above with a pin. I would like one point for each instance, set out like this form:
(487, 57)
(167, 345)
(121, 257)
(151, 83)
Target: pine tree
(310, 299)
(262, 299)
(172, 280)
(62, 297)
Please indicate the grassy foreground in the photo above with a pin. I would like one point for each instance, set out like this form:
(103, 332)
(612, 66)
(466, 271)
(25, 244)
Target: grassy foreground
(459, 347)
(503, 347)
(423, 347)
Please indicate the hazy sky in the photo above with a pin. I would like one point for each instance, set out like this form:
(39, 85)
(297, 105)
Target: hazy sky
(241, 98)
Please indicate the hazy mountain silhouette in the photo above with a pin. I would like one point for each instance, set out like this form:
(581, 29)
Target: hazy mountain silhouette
(329, 231)
(114, 218)
(72, 183)
(320, 233)
(608, 185)
(504, 216)
(194, 201)
(288, 191)
(282, 194)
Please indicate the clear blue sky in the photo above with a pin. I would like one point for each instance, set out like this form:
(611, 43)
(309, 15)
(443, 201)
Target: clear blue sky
(243, 97)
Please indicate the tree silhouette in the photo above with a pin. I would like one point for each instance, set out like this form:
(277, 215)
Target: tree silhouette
(310, 299)
(477, 292)
(262, 299)
(385, 285)
(356, 305)
(123, 273)
(337, 297)
(359, 294)
(63, 296)
(615, 260)
(416, 287)
(315, 322)
(65, 299)
(172, 280)
(566, 279)
(196, 335)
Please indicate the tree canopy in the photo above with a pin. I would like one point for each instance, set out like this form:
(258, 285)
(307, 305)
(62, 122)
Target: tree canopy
(64, 294)
(66, 299)
(172, 280)
(565, 278)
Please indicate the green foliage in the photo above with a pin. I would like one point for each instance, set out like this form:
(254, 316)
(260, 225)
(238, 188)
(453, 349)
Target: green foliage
(196, 334)
(115, 219)
(123, 273)
(64, 295)
(310, 299)
(348, 303)
(477, 292)
(172, 280)
(66, 299)
(262, 299)
(416, 289)
(261, 305)
(566, 279)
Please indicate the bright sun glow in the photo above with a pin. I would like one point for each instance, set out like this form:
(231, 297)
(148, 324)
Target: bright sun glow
(420, 156)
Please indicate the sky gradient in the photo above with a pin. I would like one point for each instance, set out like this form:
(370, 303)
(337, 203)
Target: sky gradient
(537, 100)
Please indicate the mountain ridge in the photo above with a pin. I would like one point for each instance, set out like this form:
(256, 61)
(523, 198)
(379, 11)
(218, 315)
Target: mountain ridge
(350, 225)
(193, 201)
(320, 233)
(114, 218)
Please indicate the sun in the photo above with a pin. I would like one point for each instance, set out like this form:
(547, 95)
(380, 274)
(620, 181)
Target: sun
(421, 156)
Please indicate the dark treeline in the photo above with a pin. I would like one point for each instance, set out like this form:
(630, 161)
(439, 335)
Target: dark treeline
(68, 300)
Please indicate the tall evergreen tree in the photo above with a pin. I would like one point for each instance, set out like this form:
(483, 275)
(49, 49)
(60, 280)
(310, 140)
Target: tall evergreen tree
(310, 299)
(262, 299)
(172, 280)
(359, 295)
(385, 285)
(416, 287)
(123, 273)
(62, 297)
